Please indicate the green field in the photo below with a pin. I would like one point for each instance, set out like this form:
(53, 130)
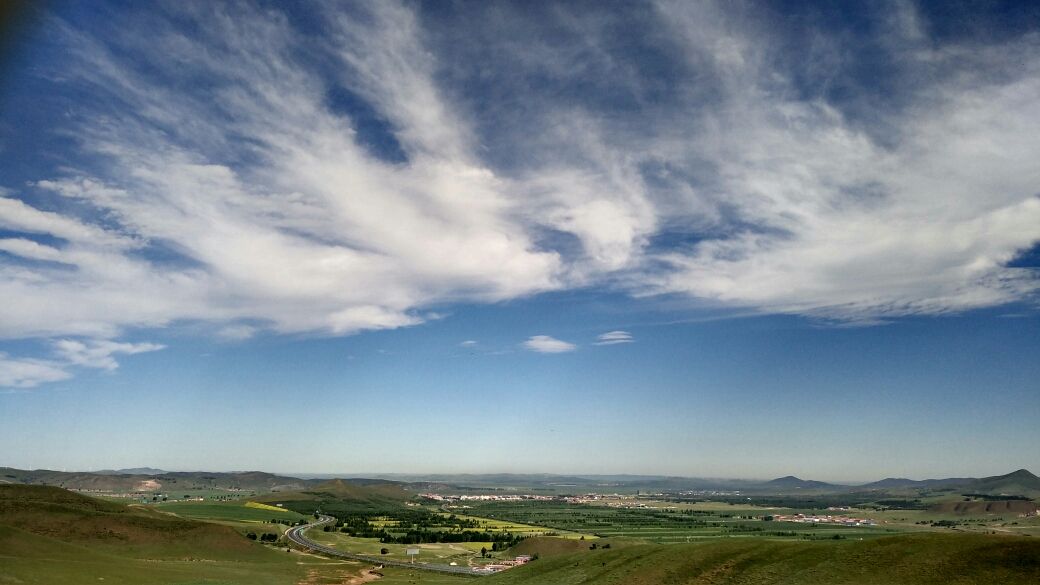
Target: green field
(505, 525)
(922, 559)
(899, 560)
(233, 511)
(677, 524)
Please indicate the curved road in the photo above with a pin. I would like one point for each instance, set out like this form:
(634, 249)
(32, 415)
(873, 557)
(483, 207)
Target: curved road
(295, 535)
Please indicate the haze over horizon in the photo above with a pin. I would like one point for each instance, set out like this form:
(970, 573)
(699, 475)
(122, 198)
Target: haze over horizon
(703, 239)
(407, 476)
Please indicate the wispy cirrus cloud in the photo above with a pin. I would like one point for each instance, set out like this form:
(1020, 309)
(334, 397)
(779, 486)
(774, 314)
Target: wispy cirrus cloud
(229, 169)
(98, 353)
(67, 354)
(28, 372)
(548, 344)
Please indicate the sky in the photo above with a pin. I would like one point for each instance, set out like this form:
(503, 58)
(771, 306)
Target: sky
(711, 239)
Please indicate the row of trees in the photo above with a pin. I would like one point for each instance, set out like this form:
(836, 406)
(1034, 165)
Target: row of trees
(265, 537)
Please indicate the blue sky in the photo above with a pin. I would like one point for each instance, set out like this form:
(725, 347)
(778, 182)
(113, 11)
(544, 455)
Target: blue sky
(711, 239)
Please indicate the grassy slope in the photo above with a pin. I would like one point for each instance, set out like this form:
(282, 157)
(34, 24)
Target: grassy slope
(346, 496)
(57, 513)
(1010, 507)
(230, 511)
(909, 559)
(31, 558)
(49, 535)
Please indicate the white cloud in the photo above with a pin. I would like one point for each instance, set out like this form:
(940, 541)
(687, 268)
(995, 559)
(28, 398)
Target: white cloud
(238, 332)
(318, 235)
(468, 343)
(98, 353)
(66, 354)
(28, 373)
(546, 344)
(828, 221)
(614, 337)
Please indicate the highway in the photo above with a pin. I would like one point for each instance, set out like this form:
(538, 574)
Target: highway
(296, 536)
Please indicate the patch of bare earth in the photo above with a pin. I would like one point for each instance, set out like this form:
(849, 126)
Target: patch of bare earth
(148, 485)
(339, 575)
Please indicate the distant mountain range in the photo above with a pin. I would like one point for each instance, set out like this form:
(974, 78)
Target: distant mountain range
(1016, 482)
(155, 480)
(1021, 482)
(792, 482)
(131, 471)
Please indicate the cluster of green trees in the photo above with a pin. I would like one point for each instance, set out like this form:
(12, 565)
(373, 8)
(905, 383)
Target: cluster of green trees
(899, 504)
(992, 498)
(285, 522)
(502, 544)
(420, 526)
(265, 537)
(498, 540)
(359, 524)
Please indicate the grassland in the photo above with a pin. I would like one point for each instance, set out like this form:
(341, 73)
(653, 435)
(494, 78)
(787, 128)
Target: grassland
(49, 535)
(906, 559)
(667, 525)
(921, 559)
(230, 511)
(505, 525)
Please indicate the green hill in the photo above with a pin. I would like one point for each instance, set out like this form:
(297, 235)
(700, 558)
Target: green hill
(51, 535)
(344, 495)
(1020, 482)
(924, 559)
(64, 515)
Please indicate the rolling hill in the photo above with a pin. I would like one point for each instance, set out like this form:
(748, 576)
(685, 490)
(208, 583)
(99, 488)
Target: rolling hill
(155, 482)
(52, 535)
(344, 495)
(1021, 482)
(791, 482)
(933, 559)
(58, 513)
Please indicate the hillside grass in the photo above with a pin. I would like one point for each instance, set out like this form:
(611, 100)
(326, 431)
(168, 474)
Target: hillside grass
(233, 511)
(49, 536)
(31, 558)
(667, 525)
(921, 559)
(342, 496)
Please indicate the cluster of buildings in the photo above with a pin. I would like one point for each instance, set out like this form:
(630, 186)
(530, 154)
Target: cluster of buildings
(822, 519)
(503, 565)
(610, 500)
(485, 497)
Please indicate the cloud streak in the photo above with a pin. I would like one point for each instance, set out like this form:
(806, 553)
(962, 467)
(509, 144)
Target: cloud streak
(547, 344)
(614, 337)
